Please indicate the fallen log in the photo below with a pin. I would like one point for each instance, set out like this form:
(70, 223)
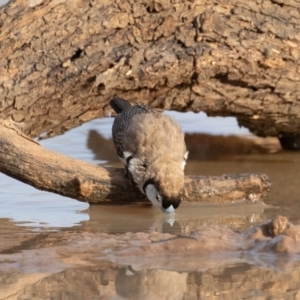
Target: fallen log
(61, 61)
(27, 161)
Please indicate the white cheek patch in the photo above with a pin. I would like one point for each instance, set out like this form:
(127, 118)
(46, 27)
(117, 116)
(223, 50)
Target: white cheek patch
(151, 193)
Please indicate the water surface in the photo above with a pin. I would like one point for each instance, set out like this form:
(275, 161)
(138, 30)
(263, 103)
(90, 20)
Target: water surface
(33, 223)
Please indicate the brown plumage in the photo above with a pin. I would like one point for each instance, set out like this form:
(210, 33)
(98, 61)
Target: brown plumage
(158, 142)
(152, 147)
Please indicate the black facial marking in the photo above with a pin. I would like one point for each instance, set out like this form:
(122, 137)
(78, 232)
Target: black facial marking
(176, 204)
(166, 203)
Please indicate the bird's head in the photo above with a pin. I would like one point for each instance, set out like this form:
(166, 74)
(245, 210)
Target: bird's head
(165, 185)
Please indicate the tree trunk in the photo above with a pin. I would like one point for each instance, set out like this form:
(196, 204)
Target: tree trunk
(25, 160)
(63, 60)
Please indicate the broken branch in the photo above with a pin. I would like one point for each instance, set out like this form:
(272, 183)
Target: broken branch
(27, 161)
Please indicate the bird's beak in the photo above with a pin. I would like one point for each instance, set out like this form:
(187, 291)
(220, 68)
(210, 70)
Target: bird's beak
(168, 210)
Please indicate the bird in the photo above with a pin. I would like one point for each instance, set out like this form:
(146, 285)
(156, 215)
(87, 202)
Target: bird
(152, 148)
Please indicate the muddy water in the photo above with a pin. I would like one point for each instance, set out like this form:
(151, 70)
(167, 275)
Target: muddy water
(36, 227)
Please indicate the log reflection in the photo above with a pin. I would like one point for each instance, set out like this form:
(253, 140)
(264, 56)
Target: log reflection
(202, 147)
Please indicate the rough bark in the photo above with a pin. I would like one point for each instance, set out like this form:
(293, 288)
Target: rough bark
(63, 60)
(25, 160)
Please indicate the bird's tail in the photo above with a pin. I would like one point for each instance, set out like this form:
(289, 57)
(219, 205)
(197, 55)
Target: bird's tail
(119, 104)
